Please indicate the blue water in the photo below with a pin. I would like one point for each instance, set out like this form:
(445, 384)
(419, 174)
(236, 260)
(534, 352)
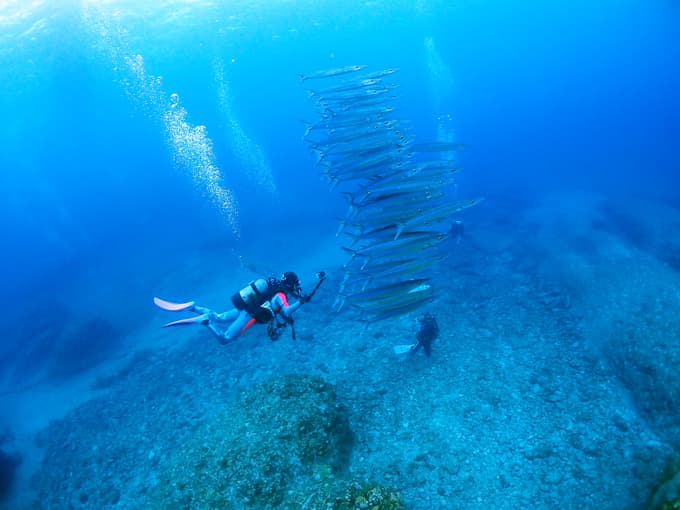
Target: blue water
(106, 200)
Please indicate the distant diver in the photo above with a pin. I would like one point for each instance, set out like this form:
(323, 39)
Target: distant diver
(261, 301)
(428, 331)
(457, 230)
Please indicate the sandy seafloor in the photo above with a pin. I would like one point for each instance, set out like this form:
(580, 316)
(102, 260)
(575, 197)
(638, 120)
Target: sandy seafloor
(528, 400)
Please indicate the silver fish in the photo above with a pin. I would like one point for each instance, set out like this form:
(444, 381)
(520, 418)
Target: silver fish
(329, 73)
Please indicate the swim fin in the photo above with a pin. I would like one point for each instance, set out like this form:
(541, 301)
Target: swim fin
(199, 319)
(403, 349)
(173, 307)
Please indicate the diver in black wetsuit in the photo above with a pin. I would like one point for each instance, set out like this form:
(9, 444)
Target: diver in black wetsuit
(428, 331)
(457, 230)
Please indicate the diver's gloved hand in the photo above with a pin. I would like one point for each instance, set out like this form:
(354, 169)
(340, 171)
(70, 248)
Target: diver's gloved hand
(305, 299)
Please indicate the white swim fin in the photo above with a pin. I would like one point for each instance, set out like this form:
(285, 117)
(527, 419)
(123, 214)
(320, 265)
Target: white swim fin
(403, 349)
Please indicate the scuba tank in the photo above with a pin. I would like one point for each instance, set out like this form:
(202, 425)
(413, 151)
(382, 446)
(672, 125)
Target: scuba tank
(248, 294)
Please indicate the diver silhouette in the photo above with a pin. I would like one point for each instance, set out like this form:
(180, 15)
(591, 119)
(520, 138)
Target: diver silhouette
(428, 331)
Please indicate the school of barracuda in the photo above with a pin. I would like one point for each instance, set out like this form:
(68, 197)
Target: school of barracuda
(398, 191)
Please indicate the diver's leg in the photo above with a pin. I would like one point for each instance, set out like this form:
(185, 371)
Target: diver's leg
(242, 322)
(221, 334)
(201, 309)
(227, 316)
(212, 321)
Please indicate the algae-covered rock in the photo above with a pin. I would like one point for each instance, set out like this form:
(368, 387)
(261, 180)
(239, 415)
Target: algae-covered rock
(8, 467)
(355, 495)
(369, 496)
(666, 496)
(265, 451)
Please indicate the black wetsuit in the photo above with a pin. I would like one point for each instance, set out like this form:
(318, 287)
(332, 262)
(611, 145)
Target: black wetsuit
(427, 333)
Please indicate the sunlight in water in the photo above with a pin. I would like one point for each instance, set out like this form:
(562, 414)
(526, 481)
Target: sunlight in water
(441, 87)
(441, 77)
(191, 147)
(15, 10)
(248, 153)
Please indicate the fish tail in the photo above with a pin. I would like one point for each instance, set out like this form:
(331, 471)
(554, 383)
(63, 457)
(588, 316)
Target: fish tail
(331, 181)
(349, 196)
(319, 157)
(342, 226)
(308, 128)
(339, 303)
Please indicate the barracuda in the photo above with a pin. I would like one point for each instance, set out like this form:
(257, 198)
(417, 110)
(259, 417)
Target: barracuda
(329, 73)
(388, 312)
(354, 96)
(364, 111)
(374, 107)
(335, 125)
(405, 208)
(437, 147)
(352, 166)
(435, 214)
(397, 268)
(379, 74)
(374, 131)
(393, 248)
(388, 291)
(396, 300)
(364, 149)
(347, 86)
(399, 198)
(429, 185)
(387, 297)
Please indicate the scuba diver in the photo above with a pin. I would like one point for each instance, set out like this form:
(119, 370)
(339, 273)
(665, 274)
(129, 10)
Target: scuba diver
(261, 301)
(457, 230)
(428, 331)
